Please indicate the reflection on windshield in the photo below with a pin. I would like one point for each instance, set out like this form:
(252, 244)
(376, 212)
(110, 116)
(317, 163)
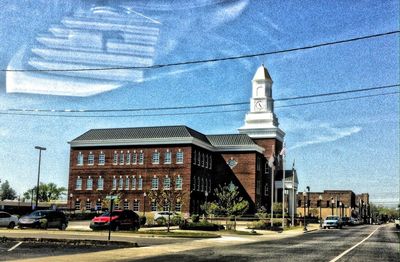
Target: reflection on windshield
(107, 214)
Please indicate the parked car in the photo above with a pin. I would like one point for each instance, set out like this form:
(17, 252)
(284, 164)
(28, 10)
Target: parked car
(346, 221)
(44, 219)
(354, 221)
(397, 222)
(165, 214)
(332, 221)
(8, 220)
(120, 219)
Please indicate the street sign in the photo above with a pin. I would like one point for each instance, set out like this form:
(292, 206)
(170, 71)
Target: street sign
(111, 197)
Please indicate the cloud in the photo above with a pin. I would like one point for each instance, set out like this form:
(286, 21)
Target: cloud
(326, 134)
(4, 132)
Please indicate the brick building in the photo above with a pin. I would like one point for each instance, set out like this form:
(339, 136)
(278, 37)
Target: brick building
(333, 202)
(133, 161)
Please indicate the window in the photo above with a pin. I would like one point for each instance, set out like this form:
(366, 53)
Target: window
(194, 157)
(115, 158)
(89, 183)
(127, 182)
(299, 203)
(206, 164)
(202, 159)
(153, 206)
(178, 206)
(167, 158)
(154, 183)
(90, 159)
(166, 205)
(114, 183)
(133, 183)
(136, 205)
(258, 186)
(258, 164)
(266, 168)
(134, 158)
(102, 158)
(140, 183)
(128, 158)
(126, 204)
(77, 204)
(141, 157)
(266, 190)
(79, 159)
(198, 183)
(179, 157)
(194, 183)
(210, 162)
(120, 183)
(122, 158)
(202, 184)
(206, 185)
(87, 206)
(198, 158)
(178, 183)
(156, 158)
(100, 183)
(98, 204)
(167, 183)
(116, 206)
(209, 185)
(78, 183)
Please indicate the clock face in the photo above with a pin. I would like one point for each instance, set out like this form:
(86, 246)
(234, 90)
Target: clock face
(259, 106)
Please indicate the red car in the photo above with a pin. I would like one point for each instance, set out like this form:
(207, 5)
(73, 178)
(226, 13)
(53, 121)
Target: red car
(120, 219)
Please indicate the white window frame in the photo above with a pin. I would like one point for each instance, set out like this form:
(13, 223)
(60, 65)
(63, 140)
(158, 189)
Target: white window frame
(88, 205)
(127, 183)
(77, 204)
(102, 158)
(153, 206)
(168, 157)
(154, 183)
(167, 183)
(90, 159)
(178, 206)
(89, 183)
(178, 183)
(128, 158)
(122, 158)
(114, 183)
(134, 158)
(79, 159)
(121, 183)
(115, 158)
(194, 157)
(133, 183)
(136, 205)
(78, 183)
(155, 159)
(100, 183)
(98, 205)
(126, 204)
(140, 183)
(179, 157)
(141, 157)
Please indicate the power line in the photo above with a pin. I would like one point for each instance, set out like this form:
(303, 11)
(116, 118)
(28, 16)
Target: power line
(195, 106)
(208, 60)
(189, 113)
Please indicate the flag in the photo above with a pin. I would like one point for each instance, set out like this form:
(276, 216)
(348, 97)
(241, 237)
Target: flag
(271, 161)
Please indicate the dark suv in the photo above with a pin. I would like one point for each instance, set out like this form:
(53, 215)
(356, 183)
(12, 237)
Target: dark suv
(120, 219)
(44, 219)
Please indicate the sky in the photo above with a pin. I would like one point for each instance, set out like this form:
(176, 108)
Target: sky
(348, 144)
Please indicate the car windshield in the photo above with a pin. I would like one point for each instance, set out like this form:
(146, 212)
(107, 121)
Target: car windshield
(332, 218)
(38, 213)
(107, 214)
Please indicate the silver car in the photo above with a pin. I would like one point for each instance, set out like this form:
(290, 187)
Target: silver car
(8, 220)
(332, 221)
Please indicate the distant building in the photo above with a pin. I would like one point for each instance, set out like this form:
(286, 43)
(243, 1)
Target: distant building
(133, 161)
(334, 202)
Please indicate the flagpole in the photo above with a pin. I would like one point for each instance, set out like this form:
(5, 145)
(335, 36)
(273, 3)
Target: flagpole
(283, 191)
(293, 196)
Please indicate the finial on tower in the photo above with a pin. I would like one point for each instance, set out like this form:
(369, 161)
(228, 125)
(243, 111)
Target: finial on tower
(262, 74)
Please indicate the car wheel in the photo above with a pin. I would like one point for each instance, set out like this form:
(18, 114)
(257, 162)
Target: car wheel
(11, 225)
(324, 227)
(45, 225)
(63, 226)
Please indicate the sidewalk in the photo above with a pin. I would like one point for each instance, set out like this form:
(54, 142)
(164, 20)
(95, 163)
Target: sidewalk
(190, 244)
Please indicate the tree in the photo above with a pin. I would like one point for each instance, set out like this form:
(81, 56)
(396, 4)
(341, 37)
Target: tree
(6, 191)
(47, 192)
(168, 194)
(228, 202)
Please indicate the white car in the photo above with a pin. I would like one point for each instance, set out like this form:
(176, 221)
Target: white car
(8, 220)
(164, 214)
(332, 221)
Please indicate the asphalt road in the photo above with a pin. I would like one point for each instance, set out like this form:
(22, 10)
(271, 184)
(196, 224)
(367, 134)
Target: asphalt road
(323, 245)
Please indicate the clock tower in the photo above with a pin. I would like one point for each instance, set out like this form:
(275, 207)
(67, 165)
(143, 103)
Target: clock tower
(261, 122)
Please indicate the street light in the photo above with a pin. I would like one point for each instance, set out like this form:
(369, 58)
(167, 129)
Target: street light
(304, 196)
(340, 209)
(320, 214)
(332, 202)
(70, 203)
(308, 201)
(38, 178)
(206, 195)
(144, 203)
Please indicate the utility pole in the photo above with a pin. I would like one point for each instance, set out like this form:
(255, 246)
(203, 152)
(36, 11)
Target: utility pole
(38, 178)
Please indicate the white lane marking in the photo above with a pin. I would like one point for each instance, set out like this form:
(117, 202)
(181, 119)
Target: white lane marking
(15, 246)
(353, 247)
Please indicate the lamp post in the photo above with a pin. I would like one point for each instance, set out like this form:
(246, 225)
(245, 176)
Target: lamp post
(340, 209)
(308, 201)
(144, 203)
(332, 202)
(70, 203)
(38, 178)
(304, 196)
(206, 195)
(320, 213)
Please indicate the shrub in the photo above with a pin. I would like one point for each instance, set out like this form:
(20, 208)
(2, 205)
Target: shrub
(176, 220)
(264, 225)
(161, 221)
(195, 218)
(204, 226)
